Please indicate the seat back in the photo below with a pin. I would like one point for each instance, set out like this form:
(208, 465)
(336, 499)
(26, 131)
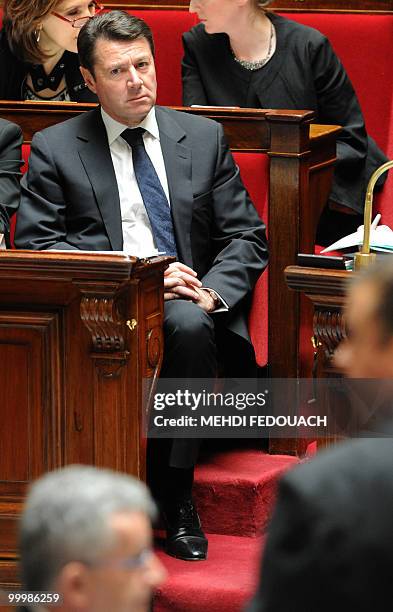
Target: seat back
(383, 200)
(254, 170)
(167, 27)
(364, 44)
(25, 157)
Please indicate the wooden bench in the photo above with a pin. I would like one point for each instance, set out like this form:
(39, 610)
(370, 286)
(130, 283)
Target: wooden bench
(287, 166)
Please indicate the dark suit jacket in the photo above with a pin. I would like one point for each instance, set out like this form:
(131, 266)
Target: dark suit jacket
(304, 73)
(330, 542)
(10, 162)
(70, 200)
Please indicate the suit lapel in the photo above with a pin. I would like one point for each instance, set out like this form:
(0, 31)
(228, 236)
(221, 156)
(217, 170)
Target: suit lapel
(177, 159)
(96, 158)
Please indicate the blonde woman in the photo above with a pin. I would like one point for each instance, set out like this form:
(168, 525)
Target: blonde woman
(38, 53)
(242, 55)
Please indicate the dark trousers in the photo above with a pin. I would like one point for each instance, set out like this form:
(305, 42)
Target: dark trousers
(189, 352)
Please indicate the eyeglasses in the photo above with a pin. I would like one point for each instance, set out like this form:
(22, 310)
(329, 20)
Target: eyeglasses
(139, 561)
(79, 22)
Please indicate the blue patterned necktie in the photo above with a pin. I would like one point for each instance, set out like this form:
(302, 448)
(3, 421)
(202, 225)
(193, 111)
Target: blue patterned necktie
(153, 195)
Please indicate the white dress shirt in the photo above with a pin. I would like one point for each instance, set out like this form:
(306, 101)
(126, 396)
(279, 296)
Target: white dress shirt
(138, 237)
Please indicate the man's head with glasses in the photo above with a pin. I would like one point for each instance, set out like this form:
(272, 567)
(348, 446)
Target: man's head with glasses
(86, 533)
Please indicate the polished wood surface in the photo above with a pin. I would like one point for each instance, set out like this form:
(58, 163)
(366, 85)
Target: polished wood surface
(245, 128)
(79, 333)
(335, 6)
(326, 290)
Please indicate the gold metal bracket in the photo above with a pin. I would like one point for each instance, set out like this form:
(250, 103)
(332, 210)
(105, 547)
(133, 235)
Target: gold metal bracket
(131, 324)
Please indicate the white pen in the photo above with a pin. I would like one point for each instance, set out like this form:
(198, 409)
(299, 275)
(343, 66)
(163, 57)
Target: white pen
(376, 221)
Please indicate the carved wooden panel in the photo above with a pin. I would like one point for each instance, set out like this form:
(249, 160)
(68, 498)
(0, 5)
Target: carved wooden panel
(30, 434)
(72, 369)
(326, 292)
(329, 331)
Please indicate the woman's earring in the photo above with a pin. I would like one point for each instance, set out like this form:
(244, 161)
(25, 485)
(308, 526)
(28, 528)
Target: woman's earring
(37, 34)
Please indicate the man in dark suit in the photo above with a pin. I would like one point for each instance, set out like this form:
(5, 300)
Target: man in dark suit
(330, 541)
(10, 162)
(96, 182)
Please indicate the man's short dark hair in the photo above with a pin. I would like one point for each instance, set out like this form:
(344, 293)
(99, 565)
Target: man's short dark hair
(114, 25)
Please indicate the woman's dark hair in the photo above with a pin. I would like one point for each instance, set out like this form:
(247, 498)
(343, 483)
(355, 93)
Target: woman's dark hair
(21, 21)
(115, 25)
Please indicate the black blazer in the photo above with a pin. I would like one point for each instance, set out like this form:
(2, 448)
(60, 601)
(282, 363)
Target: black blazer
(304, 73)
(70, 200)
(330, 541)
(13, 73)
(10, 162)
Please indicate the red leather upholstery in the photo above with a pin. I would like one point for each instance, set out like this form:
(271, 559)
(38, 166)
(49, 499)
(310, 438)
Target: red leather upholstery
(383, 202)
(254, 170)
(25, 157)
(364, 43)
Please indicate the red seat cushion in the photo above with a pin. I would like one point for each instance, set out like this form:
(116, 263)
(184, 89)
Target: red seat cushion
(383, 201)
(25, 157)
(254, 170)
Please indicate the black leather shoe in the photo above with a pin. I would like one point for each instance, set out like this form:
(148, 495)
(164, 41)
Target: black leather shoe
(184, 536)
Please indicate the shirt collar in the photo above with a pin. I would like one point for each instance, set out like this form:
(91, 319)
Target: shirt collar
(114, 128)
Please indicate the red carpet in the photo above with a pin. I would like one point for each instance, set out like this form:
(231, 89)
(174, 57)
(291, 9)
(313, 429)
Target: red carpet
(235, 492)
(221, 584)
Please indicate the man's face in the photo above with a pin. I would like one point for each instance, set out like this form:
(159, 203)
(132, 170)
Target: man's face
(125, 578)
(124, 79)
(365, 354)
(123, 584)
